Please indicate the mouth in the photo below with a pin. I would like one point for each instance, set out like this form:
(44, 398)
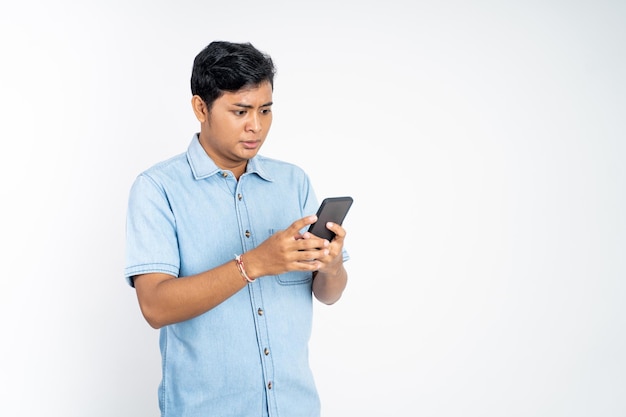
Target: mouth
(251, 144)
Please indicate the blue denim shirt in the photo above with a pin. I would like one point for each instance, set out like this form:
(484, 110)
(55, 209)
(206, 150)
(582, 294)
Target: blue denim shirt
(249, 355)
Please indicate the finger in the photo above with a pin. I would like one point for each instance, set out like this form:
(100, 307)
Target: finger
(310, 265)
(313, 253)
(339, 231)
(316, 257)
(301, 223)
(311, 249)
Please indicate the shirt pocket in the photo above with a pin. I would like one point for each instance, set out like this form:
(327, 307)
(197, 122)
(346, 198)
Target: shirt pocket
(293, 277)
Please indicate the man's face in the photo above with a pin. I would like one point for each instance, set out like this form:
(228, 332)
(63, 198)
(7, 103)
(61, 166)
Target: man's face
(237, 125)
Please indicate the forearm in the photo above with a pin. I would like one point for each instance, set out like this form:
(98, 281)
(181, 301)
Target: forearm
(166, 300)
(328, 286)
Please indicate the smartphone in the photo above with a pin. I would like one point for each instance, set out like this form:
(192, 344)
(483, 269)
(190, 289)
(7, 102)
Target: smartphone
(332, 209)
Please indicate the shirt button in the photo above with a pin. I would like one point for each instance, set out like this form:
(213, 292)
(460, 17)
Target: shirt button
(224, 174)
(260, 311)
(269, 385)
(239, 196)
(247, 233)
(266, 351)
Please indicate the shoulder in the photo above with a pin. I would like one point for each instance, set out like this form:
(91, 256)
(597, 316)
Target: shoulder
(170, 169)
(276, 168)
(161, 177)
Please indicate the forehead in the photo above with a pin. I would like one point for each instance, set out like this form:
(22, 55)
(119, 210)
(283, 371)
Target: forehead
(260, 94)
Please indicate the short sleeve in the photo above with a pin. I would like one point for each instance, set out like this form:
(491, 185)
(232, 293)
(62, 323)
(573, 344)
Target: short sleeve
(151, 239)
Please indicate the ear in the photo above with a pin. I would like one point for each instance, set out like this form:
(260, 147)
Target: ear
(199, 109)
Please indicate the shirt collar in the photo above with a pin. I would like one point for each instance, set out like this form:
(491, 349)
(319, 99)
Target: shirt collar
(203, 166)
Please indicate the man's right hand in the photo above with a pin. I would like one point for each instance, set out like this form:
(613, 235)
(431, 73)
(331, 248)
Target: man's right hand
(287, 250)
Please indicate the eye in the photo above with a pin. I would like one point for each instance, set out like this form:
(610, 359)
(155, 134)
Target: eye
(266, 111)
(240, 112)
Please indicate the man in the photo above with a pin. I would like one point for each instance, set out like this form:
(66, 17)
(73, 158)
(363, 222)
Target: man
(218, 254)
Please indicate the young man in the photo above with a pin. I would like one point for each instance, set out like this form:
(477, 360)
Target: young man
(218, 254)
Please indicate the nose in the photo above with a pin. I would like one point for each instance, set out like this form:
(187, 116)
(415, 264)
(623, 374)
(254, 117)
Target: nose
(254, 123)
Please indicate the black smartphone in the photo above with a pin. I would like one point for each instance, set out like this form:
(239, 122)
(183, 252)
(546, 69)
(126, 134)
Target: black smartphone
(332, 209)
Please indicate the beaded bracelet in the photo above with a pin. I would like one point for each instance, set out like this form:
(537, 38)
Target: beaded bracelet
(242, 269)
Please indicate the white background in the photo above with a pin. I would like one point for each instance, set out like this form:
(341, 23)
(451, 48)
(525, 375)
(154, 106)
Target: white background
(483, 143)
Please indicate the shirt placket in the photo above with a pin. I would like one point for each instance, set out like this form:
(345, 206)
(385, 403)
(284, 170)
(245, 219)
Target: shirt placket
(256, 303)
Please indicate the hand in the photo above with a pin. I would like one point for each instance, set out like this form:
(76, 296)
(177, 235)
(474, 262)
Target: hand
(332, 260)
(289, 250)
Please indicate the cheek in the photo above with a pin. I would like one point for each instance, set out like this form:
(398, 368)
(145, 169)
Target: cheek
(232, 128)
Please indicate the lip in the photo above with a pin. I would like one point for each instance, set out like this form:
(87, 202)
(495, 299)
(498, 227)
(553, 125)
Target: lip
(251, 144)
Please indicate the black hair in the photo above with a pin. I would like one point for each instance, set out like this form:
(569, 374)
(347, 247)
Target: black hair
(226, 66)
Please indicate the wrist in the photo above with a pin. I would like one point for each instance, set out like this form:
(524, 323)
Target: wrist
(242, 269)
(332, 271)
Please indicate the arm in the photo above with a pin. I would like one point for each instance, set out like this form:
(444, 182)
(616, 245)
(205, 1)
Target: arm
(165, 299)
(331, 279)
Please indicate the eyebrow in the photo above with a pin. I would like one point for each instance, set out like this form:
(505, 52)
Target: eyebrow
(248, 106)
